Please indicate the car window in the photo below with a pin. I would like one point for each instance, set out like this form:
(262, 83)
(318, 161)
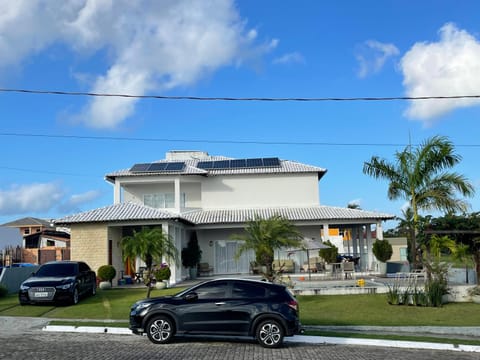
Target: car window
(246, 290)
(68, 269)
(216, 290)
(83, 267)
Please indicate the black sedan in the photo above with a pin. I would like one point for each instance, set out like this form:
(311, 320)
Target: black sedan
(60, 282)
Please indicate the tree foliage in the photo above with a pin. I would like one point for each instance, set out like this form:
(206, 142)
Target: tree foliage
(264, 236)
(382, 249)
(151, 245)
(421, 177)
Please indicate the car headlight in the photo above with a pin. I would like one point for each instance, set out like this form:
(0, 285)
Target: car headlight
(139, 307)
(64, 286)
(24, 287)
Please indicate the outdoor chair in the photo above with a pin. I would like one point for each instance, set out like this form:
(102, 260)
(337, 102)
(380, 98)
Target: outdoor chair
(204, 268)
(349, 269)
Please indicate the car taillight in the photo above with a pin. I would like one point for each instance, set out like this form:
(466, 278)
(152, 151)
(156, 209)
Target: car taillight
(293, 304)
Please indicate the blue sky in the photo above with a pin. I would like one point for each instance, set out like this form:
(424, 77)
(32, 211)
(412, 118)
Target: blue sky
(56, 149)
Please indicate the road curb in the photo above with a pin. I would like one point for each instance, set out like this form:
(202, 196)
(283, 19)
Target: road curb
(294, 339)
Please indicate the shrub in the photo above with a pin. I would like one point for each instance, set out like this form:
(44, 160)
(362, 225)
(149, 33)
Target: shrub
(330, 254)
(382, 250)
(106, 272)
(162, 272)
(3, 291)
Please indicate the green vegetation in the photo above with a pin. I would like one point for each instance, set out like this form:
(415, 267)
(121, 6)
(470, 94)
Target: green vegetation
(264, 236)
(330, 254)
(337, 310)
(106, 273)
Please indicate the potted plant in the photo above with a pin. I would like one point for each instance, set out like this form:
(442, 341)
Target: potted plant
(162, 273)
(474, 293)
(191, 255)
(382, 249)
(105, 274)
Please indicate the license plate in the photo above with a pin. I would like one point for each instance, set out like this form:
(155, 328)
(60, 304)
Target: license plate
(40, 294)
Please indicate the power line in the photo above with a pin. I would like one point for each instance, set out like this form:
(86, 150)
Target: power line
(206, 141)
(266, 99)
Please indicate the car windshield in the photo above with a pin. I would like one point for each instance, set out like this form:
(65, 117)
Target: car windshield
(57, 270)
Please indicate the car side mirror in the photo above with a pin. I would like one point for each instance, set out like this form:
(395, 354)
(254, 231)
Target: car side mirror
(191, 296)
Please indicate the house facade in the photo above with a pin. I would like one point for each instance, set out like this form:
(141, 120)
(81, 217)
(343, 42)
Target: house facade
(214, 197)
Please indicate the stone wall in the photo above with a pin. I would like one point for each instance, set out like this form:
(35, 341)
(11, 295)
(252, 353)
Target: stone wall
(89, 243)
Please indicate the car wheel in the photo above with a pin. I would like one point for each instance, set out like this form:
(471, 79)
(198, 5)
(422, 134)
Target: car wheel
(270, 334)
(75, 296)
(160, 330)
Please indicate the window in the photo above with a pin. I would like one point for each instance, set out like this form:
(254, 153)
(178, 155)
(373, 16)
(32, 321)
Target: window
(162, 200)
(216, 290)
(26, 231)
(403, 254)
(248, 291)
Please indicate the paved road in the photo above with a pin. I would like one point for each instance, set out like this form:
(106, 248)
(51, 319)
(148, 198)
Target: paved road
(23, 338)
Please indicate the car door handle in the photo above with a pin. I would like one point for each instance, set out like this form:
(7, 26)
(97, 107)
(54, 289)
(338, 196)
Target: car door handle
(220, 303)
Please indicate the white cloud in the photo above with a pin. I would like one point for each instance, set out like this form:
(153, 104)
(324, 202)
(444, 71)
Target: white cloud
(31, 198)
(448, 67)
(290, 58)
(372, 55)
(75, 202)
(152, 45)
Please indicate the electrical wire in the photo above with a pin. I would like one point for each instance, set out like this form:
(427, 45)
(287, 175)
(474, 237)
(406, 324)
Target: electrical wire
(267, 99)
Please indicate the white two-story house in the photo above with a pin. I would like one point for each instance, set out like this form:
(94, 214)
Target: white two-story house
(214, 196)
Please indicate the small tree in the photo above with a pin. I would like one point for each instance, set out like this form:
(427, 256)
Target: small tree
(191, 254)
(329, 254)
(382, 249)
(150, 245)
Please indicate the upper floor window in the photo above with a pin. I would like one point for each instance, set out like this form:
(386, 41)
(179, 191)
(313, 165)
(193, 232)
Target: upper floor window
(162, 200)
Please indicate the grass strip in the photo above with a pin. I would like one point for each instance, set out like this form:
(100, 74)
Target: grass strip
(114, 324)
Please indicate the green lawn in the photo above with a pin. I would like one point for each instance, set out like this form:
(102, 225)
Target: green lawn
(115, 304)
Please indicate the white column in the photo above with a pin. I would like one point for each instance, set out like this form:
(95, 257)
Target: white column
(177, 195)
(369, 247)
(117, 193)
(379, 230)
(325, 232)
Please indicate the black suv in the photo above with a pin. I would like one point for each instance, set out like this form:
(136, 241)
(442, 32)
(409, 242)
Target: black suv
(230, 306)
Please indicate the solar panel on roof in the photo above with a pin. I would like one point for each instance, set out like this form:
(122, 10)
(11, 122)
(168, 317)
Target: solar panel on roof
(139, 167)
(205, 164)
(221, 164)
(271, 161)
(157, 167)
(175, 166)
(254, 162)
(238, 163)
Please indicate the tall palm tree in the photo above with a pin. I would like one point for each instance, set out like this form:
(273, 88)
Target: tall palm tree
(421, 177)
(264, 236)
(150, 245)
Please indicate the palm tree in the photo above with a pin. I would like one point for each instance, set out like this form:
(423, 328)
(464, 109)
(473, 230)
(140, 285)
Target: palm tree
(264, 236)
(420, 176)
(150, 245)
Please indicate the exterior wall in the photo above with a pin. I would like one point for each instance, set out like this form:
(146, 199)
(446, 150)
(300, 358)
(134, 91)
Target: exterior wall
(135, 192)
(90, 244)
(260, 191)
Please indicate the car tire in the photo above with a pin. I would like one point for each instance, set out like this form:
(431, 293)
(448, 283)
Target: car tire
(160, 330)
(270, 334)
(75, 296)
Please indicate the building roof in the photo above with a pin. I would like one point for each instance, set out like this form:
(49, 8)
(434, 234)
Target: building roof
(118, 212)
(192, 168)
(136, 212)
(29, 221)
